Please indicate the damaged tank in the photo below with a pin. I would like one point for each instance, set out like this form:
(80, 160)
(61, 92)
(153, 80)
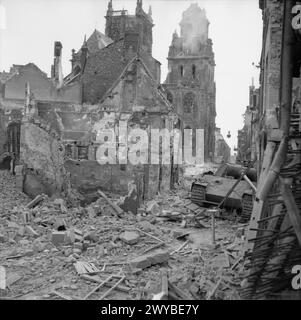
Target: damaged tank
(231, 186)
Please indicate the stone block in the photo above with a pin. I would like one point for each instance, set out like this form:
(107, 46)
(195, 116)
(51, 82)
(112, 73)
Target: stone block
(19, 170)
(31, 232)
(92, 236)
(78, 245)
(58, 237)
(159, 256)
(129, 237)
(141, 262)
(147, 260)
(21, 231)
(153, 208)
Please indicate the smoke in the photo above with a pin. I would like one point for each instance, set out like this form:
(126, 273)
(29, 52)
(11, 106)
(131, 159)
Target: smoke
(194, 28)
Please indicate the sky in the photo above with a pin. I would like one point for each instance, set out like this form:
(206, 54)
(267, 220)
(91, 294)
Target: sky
(29, 28)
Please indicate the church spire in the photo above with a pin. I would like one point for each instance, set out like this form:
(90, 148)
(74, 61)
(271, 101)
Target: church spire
(139, 6)
(110, 7)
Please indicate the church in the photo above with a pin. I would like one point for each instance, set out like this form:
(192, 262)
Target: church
(113, 78)
(190, 81)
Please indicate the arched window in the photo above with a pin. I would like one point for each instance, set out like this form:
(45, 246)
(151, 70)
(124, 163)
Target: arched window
(193, 71)
(189, 102)
(181, 71)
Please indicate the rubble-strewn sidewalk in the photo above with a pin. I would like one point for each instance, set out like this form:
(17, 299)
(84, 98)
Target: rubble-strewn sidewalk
(50, 251)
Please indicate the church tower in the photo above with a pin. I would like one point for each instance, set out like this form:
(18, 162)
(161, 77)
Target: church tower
(137, 29)
(190, 81)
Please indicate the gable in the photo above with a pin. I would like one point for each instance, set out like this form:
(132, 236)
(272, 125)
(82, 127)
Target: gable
(136, 90)
(148, 93)
(97, 41)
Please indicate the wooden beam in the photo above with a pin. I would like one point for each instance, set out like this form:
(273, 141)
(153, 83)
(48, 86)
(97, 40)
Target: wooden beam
(291, 206)
(116, 208)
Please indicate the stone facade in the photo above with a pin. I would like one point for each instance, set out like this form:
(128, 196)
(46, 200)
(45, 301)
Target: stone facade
(190, 81)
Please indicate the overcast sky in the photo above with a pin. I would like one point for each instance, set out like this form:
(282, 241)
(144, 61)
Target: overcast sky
(29, 28)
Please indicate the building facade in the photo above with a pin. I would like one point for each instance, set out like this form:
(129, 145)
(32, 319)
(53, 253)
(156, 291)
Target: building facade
(273, 239)
(247, 148)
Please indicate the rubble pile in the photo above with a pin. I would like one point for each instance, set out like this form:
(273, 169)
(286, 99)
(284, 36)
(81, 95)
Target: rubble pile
(9, 195)
(51, 251)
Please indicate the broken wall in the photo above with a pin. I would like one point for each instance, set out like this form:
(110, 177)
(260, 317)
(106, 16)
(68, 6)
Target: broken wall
(42, 155)
(88, 176)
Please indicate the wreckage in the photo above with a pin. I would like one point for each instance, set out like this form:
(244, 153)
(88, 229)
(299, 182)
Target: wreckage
(232, 187)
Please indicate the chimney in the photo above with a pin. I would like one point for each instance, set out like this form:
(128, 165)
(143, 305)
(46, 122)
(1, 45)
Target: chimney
(57, 73)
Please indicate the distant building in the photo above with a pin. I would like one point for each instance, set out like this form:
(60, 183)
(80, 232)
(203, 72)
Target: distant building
(190, 81)
(222, 150)
(246, 138)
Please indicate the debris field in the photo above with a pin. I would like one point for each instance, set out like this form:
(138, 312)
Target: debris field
(51, 251)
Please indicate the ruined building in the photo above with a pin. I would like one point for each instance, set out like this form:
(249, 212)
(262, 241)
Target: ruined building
(273, 240)
(113, 88)
(190, 80)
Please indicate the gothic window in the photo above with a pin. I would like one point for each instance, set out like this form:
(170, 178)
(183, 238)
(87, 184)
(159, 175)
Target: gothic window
(189, 102)
(181, 71)
(169, 97)
(193, 71)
